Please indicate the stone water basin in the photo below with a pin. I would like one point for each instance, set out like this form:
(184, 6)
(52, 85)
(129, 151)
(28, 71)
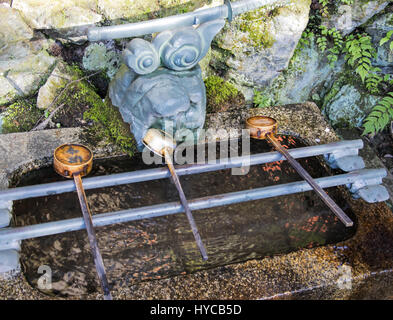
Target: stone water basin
(163, 247)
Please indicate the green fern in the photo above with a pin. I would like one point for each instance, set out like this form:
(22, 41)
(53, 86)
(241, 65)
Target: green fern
(380, 115)
(387, 38)
(324, 7)
(337, 46)
(261, 100)
(322, 40)
(373, 80)
(359, 52)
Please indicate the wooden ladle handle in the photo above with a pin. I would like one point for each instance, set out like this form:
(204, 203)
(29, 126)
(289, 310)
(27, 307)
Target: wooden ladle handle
(92, 237)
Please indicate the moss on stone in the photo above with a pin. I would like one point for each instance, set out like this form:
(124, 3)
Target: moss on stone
(107, 121)
(257, 24)
(83, 106)
(108, 125)
(20, 116)
(222, 95)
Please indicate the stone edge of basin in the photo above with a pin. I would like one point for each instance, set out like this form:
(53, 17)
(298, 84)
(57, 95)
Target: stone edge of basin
(328, 272)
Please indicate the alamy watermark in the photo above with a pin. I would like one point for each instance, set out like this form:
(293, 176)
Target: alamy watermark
(345, 279)
(45, 281)
(213, 146)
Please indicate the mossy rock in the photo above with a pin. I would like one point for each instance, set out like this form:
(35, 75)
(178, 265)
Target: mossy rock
(109, 125)
(222, 96)
(21, 116)
(83, 107)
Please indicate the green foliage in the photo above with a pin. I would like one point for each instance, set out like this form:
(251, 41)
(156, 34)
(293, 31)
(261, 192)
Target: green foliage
(324, 7)
(359, 52)
(108, 124)
(20, 116)
(261, 100)
(219, 89)
(388, 78)
(337, 46)
(220, 94)
(305, 39)
(380, 116)
(322, 41)
(328, 40)
(373, 81)
(388, 37)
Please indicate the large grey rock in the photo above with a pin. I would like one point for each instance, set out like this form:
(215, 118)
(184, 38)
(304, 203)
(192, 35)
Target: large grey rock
(308, 75)
(42, 14)
(378, 29)
(69, 16)
(23, 65)
(260, 45)
(349, 17)
(52, 87)
(349, 107)
(12, 26)
(23, 62)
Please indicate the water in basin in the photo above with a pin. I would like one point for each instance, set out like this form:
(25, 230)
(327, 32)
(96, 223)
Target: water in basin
(162, 247)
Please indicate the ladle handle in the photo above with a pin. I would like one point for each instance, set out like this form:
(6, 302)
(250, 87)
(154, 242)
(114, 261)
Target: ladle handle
(92, 237)
(184, 202)
(305, 175)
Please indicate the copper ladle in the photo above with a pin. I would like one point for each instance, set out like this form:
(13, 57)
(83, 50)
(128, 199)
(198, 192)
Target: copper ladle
(162, 144)
(262, 127)
(76, 161)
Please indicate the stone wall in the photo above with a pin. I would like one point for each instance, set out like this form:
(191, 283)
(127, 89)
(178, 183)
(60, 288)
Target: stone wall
(259, 50)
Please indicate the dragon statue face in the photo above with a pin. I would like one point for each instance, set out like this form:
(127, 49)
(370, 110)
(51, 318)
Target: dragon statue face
(160, 84)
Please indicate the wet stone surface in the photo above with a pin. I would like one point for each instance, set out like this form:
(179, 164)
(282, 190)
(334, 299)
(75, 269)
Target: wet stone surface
(163, 247)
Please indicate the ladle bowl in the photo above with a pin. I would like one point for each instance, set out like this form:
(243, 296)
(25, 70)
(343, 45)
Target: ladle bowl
(260, 126)
(159, 141)
(70, 159)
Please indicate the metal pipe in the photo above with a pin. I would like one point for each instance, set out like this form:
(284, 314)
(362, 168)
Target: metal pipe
(168, 23)
(162, 173)
(10, 235)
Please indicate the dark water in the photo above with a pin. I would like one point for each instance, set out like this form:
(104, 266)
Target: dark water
(164, 246)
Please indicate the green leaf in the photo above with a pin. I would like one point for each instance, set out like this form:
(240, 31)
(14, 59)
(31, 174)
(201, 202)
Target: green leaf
(389, 100)
(379, 108)
(383, 41)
